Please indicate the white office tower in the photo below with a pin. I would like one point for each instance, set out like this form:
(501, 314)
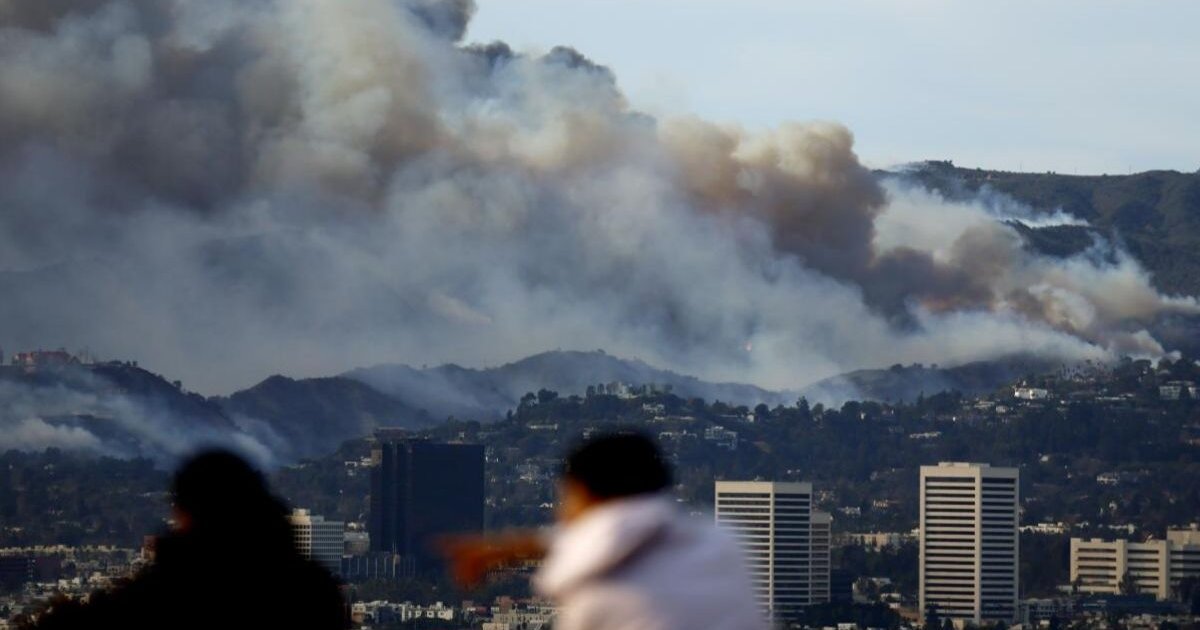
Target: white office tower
(774, 523)
(319, 540)
(969, 544)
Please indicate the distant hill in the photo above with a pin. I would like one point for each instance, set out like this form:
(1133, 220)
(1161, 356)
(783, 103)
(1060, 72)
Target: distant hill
(110, 409)
(121, 410)
(904, 384)
(451, 390)
(310, 417)
(1156, 214)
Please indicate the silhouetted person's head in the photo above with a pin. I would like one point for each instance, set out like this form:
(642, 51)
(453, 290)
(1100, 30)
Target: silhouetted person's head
(608, 468)
(218, 493)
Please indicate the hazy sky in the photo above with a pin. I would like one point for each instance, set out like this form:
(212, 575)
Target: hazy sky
(1071, 86)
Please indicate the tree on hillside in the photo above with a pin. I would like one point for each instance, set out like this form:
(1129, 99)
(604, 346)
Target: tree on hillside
(931, 617)
(1188, 592)
(1128, 584)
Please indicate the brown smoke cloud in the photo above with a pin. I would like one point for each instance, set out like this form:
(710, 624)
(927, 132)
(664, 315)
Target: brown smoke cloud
(230, 189)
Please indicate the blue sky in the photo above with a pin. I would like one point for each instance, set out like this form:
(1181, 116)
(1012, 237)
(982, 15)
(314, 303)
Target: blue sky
(1069, 86)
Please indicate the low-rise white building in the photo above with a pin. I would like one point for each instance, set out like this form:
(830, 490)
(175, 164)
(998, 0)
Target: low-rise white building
(722, 437)
(521, 619)
(386, 613)
(1174, 390)
(1154, 567)
(1031, 393)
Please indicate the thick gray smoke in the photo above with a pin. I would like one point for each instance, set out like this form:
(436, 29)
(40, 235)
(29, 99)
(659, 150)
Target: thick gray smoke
(231, 188)
(81, 410)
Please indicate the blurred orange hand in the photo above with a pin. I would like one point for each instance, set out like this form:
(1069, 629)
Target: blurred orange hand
(471, 557)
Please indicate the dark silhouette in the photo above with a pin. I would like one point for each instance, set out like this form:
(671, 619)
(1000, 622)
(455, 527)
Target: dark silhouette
(618, 465)
(230, 562)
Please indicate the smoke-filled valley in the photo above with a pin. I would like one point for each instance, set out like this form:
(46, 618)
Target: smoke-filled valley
(228, 190)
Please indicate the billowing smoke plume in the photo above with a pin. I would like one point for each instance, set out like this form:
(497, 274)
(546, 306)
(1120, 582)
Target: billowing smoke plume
(230, 188)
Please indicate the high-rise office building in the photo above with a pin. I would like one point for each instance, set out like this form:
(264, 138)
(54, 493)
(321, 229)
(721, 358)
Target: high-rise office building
(786, 544)
(421, 490)
(1153, 567)
(969, 545)
(319, 540)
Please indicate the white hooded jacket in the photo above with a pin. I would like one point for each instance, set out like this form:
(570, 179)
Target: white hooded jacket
(639, 564)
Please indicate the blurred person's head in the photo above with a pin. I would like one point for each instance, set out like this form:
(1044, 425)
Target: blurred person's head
(609, 468)
(218, 492)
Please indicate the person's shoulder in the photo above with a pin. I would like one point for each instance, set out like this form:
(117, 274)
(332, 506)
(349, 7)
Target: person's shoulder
(299, 573)
(316, 599)
(311, 578)
(612, 604)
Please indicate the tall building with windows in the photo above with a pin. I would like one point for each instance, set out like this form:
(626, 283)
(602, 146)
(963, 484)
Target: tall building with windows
(785, 542)
(1153, 567)
(421, 490)
(969, 545)
(319, 540)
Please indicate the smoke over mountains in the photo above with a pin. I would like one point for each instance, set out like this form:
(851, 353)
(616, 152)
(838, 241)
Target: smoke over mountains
(229, 189)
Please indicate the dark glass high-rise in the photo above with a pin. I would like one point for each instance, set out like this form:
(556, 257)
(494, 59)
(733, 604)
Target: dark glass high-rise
(421, 490)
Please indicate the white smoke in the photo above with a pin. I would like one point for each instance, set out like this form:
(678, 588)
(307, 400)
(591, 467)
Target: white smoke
(226, 190)
(81, 411)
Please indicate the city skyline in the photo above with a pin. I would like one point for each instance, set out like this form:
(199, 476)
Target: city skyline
(600, 314)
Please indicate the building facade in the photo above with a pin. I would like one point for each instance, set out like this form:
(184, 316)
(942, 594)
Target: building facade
(876, 540)
(319, 540)
(786, 544)
(822, 540)
(1185, 554)
(968, 542)
(1153, 567)
(377, 566)
(421, 490)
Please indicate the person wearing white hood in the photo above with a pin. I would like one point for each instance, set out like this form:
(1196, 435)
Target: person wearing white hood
(623, 556)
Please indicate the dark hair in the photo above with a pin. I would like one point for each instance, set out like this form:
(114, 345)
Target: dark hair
(618, 465)
(221, 491)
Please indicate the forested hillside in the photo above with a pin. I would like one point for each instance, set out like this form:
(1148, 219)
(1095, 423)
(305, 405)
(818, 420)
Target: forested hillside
(1155, 215)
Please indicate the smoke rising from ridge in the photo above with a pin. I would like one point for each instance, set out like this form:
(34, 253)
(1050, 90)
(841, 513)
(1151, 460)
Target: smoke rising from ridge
(230, 189)
(79, 410)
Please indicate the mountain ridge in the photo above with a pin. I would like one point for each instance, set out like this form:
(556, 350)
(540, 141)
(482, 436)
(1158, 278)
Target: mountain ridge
(1154, 214)
(494, 391)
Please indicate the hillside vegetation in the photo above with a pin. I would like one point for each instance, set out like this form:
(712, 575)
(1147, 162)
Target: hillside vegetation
(1155, 215)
